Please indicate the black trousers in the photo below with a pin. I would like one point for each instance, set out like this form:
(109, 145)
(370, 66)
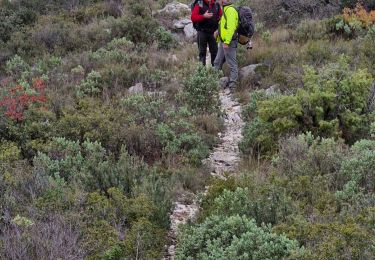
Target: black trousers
(204, 39)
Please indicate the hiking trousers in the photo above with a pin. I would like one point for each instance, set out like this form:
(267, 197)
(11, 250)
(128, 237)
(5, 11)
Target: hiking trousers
(204, 39)
(228, 55)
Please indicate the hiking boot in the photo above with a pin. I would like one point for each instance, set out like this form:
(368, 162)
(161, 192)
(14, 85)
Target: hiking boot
(224, 82)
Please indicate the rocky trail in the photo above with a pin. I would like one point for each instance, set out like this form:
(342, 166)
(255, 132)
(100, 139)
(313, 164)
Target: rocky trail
(223, 159)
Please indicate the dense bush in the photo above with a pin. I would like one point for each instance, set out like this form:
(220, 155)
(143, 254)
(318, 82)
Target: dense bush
(331, 104)
(311, 29)
(265, 205)
(88, 165)
(13, 20)
(332, 239)
(26, 119)
(235, 238)
(202, 90)
(357, 173)
(164, 38)
(354, 22)
(318, 192)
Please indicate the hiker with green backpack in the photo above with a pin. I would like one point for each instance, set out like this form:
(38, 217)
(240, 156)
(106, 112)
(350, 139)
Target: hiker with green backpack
(235, 26)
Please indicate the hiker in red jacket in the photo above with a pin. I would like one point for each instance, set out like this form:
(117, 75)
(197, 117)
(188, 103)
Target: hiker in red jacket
(205, 17)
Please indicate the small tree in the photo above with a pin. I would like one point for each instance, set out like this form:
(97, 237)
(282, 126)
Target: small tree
(202, 90)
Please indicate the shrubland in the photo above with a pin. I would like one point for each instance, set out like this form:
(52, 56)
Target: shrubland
(89, 169)
(307, 144)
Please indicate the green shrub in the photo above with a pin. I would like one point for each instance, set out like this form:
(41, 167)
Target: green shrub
(145, 241)
(99, 237)
(87, 164)
(13, 20)
(233, 238)
(18, 68)
(180, 138)
(92, 85)
(266, 205)
(331, 240)
(373, 129)
(143, 108)
(26, 74)
(217, 187)
(9, 152)
(306, 155)
(310, 30)
(318, 51)
(135, 216)
(133, 25)
(358, 171)
(332, 104)
(256, 138)
(202, 90)
(164, 38)
(30, 131)
(366, 52)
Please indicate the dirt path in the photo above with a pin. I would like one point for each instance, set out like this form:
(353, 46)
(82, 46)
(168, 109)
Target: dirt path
(223, 159)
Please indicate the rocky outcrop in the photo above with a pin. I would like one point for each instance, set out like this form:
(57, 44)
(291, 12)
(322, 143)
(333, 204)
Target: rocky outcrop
(189, 31)
(249, 70)
(180, 24)
(178, 15)
(272, 90)
(175, 9)
(136, 89)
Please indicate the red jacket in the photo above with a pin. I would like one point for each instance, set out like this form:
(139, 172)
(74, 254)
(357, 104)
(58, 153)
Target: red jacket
(196, 17)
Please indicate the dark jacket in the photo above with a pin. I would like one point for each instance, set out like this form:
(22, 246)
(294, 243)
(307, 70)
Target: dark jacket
(203, 24)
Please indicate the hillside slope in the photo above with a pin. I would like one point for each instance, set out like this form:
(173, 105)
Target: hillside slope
(107, 120)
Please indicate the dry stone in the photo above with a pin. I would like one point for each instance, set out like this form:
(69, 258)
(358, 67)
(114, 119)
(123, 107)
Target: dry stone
(136, 89)
(175, 9)
(272, 90)
(248, 70)
(190, 32)
(180, 24)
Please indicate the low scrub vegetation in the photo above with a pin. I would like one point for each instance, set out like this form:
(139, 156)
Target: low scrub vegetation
(89, 169)
(106, 116)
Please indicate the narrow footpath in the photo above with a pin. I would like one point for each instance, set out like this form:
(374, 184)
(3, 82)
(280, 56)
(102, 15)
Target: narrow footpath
(223, 159)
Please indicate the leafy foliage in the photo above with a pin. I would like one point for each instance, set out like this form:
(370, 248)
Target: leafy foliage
(332, 104)
(233, 237)
(202, 90)
(355, 21)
